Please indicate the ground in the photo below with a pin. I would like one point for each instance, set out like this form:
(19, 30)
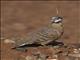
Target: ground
(21, 17)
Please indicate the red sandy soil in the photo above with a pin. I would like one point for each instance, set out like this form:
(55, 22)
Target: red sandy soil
(21, 17)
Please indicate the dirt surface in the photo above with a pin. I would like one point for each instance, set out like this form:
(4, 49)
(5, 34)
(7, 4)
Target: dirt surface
(21, 17)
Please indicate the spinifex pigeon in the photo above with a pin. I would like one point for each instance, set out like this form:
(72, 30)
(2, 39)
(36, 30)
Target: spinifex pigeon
(52, 32)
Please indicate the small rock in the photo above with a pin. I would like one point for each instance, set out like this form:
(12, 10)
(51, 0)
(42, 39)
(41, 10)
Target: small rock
(29, 58)
(2, 38)
(20, 58)
(74, 55)
(8, 41)
(52, 59)
(55, 56)
(75, 51)
(39, 56)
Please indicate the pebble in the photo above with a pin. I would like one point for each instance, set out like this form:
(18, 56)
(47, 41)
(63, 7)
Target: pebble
(52, 59)
(29, 58)
(40, 56)
(74, 55)
(75, 51)
(8, 41)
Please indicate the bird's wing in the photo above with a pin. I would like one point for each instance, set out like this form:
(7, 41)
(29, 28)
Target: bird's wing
(45, 35)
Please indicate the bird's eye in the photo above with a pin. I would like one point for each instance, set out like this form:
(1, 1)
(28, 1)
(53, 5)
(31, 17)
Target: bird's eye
(56, 19)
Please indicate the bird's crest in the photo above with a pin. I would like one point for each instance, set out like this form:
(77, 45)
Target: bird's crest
(57, 12)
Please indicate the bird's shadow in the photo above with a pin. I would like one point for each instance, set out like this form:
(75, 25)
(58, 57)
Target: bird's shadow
(24, 48)
(53, 43)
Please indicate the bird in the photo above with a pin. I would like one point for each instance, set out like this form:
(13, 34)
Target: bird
(52, 32)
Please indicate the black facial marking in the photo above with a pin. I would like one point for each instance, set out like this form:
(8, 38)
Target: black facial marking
(58, 18)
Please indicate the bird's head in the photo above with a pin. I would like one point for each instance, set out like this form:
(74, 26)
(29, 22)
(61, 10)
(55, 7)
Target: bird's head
(56, 22)
(56, 19)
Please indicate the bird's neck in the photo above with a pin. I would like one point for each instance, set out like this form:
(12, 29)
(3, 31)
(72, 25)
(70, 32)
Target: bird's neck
(58, 26)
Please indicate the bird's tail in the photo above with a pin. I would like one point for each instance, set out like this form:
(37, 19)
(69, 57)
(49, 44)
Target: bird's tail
(19, 46)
